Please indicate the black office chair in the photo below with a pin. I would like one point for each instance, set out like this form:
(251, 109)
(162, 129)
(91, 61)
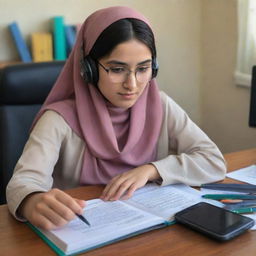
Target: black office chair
(23, 89)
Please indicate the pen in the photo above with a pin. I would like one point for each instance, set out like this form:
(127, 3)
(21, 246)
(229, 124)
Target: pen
(245, 210)
(83, 219)
(244, 203)
(228, 196)
(246, 188)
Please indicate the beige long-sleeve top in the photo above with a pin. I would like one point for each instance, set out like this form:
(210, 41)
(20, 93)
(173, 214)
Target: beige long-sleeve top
(53, 155)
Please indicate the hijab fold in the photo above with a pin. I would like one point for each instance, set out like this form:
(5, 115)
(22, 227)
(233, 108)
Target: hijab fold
(116, 139)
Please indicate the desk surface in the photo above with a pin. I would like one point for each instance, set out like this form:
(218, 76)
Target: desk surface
(18, 239)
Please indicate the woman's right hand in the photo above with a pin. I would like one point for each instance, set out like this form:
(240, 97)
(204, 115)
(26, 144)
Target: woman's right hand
(52, 209)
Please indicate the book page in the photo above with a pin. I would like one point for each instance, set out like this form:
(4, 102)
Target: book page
(109, 220)
(165, 201)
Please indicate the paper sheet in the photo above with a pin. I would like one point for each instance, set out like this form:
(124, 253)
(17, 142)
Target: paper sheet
(247, 174)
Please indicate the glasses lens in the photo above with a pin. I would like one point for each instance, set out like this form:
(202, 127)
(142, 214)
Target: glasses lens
(117, 77)
(120, 75)
(144, 75)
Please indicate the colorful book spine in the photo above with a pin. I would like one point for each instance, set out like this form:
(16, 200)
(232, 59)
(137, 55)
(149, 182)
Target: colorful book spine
(70, 32)
(59, 40)
(20, 42)
(41, 46)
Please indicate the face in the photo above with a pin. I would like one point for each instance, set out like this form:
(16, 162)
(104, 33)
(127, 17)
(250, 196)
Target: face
(132, 55)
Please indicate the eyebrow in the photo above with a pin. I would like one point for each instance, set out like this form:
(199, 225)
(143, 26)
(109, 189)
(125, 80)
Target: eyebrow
(125, 64)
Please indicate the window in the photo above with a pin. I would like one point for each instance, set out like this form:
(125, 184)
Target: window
(246, 54)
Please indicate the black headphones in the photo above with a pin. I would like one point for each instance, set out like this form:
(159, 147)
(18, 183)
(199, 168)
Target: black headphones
(90, 73)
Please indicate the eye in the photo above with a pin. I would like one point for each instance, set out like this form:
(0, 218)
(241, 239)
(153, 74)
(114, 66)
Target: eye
(143, 69)
(117, 70)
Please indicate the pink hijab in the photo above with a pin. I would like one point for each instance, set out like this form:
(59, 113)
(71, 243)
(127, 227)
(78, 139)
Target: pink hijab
(116, 139)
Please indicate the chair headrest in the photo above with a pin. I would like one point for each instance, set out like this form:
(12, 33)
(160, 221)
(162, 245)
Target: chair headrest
(36, 78)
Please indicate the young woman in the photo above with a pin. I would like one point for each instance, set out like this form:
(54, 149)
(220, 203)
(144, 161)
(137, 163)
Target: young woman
(105, 122)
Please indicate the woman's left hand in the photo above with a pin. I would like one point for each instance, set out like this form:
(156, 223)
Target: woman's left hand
(124, 185)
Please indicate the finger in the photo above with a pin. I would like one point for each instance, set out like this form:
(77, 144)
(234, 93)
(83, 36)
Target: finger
(82, 203)
(62, 210)
(130, 192)
(108, 186)
(112, 190)
(69, 202)
(45, 212)
(44, 223)
(121, 190)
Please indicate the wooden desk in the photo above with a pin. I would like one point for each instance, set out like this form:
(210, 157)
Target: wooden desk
(18, 239)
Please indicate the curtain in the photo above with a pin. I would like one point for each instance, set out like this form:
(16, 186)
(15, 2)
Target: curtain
(246, 52)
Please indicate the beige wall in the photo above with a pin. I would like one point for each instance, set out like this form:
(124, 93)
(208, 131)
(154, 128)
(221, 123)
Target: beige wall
(196, 41)
(225, 106)
(176, 24)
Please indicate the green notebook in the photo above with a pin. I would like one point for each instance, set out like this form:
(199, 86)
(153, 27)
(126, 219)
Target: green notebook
(150, 208)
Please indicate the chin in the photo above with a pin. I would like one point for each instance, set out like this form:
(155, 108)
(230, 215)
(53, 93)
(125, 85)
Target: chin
(126, 105)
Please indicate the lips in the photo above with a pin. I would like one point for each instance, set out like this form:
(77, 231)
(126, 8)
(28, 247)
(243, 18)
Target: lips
(127, 95)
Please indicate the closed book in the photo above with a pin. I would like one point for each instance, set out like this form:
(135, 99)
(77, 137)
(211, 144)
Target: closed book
(41, 45)
(70, 32)
(59, 40)
(20, 42)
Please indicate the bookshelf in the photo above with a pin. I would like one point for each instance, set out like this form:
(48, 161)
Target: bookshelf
(54, 44)
(8, 63)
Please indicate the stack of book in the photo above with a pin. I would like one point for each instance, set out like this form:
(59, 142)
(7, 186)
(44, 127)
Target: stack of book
(46, 46)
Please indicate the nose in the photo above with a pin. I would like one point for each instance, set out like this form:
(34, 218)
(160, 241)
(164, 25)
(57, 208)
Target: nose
(131, 81)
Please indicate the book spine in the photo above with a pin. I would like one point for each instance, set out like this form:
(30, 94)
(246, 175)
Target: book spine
(70, 32)
(20, 42)
(59, 38)
(48, 46)
(41, 47)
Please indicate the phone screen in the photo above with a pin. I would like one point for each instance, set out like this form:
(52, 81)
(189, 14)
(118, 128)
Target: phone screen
(214, 221)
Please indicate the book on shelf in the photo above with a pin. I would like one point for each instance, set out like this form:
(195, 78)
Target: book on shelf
(70, 33)
(59, 39)
(151, 207)
(20, 42)
(41, 46)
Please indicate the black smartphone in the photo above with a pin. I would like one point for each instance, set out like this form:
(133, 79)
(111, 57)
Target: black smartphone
(214, 221)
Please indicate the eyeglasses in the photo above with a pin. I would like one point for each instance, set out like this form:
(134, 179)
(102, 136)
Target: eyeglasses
(120, 74)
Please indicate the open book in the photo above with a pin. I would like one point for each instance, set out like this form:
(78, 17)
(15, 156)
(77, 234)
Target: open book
(150, 208)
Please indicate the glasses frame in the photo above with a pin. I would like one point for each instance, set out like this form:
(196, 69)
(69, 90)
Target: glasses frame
(127, 75)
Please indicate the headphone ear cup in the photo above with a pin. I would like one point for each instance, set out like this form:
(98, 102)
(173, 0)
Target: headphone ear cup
(89, 70)
(155, 67)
